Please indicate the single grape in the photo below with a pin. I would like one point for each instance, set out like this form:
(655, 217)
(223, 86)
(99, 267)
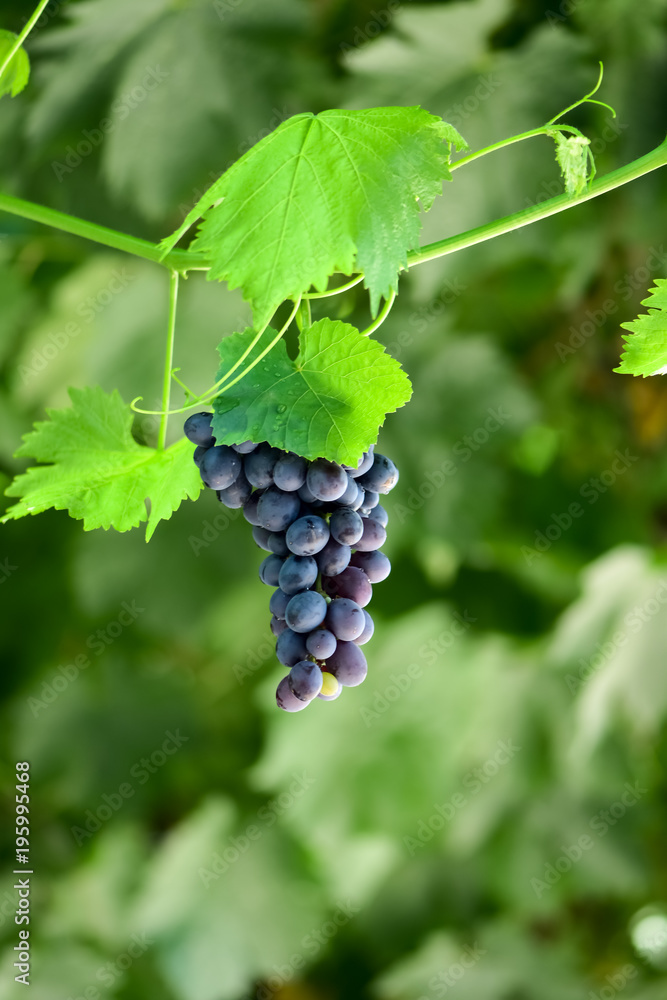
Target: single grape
(306, 611)
(331, 689)
(321, 643)
(350, 495)
(379, 514)
(250, 508)
(286, 700)
(276, 542)
(291, 647)
(269, 570)
(369, 628)
(359, 499)
(220, 467)
(346, 526)
(304, 494)
(352, 583)
(198, 455)
(363, 465)
(297, 573)
(374, 535)
(245, 448)
(375, 564)
(261, 536)
(333, 558)
(236, 495)
(348, 664)
(277, 625)
(305, 680)
(197, 429)
(278, 603)
(326, 480)
(345, 619)
(371, 499)
(290, 472)
(307, 535)
(259, 465)
(277, 509)
(381, 477)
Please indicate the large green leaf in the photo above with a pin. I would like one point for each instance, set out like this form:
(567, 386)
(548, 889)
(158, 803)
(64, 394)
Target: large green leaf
(329, 402)
(338, 191)
(15, 76)
(645, 352)
(96, 469)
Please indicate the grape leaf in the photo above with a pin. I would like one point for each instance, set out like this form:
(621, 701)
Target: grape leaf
(645, 352)
(329, 402)
(97, 471)
(572, 154)
(14, 78)
(337, 191)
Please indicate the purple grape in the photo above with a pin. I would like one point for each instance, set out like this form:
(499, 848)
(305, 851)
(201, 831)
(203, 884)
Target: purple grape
(245, 448)
(363, 465)
(259, 465)
(326, 480)
(306, 611)
(321, 643)
(277, 625)
(352, 583)
(359, 499)
(250, 508)
(333, 558)
(350, 494)
(304, 494)
(277, 509)
(276, 542)
(346, 526)
(368, 629)
(297, 573)
(348, 664)
(286, 700)
(379, 514)
(371, 500)
(197, 429)
(381, 477)
(291, 647)
(220, 467)
(290, 472)
(236, 495)
(307, 535)
(269, 570)
(278, 603)
(198, 455)
(345, 619)
(261, 537)
(305, 680)
(375, 564)
(374, 535)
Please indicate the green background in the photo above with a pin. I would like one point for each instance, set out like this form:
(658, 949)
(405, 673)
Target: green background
(485, 816)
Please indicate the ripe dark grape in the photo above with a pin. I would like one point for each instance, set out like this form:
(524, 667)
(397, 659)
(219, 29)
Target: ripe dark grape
(220, 467)
(197, 429)
(306, 611)
(307, 535)
(305, 680)
(297, 573)
(322, 526)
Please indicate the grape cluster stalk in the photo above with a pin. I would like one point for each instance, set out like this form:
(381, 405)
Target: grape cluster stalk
(322, 526)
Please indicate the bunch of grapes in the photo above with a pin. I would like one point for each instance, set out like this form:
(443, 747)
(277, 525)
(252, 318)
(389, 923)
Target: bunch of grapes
(322, 525)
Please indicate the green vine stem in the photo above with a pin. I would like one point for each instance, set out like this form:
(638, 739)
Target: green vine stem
(168, 360)
(381, 316)
(176, 260)
(29, 25)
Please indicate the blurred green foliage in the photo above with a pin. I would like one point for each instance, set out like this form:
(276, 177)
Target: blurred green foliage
(486, 815)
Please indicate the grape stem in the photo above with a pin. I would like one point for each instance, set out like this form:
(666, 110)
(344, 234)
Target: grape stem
(381, 316)
(27, 28)
(168, 360)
